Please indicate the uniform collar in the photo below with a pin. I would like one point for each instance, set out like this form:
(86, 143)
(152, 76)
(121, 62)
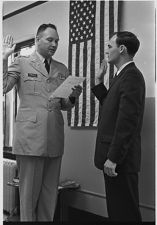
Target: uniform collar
(42, 59)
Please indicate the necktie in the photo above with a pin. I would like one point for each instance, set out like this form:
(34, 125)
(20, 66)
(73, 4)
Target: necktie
(111, 80)
(115, 75)
(47, 66)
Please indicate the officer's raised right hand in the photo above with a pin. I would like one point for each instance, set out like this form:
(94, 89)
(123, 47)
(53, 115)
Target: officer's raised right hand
(8, 46)
(101, 72)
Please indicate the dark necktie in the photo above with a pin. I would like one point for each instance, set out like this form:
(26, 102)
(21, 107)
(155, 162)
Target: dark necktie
(116, 75)
(47, 66)
(111, 80)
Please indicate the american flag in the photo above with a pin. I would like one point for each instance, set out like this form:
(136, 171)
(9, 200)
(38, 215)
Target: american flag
(91, 23)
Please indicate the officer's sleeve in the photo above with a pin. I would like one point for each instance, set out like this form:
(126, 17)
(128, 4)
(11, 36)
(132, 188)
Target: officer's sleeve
(11, 75)
(67, 103)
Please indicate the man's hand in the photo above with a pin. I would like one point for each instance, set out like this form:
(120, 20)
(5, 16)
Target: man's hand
(102, 71)
(109, 168)
(76, 91)
(8, 46)
(55, 103)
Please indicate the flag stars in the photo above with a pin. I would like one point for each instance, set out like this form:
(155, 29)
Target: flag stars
(82, 20)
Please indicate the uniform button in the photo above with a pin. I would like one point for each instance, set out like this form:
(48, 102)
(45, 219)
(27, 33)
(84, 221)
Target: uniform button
(48, 80)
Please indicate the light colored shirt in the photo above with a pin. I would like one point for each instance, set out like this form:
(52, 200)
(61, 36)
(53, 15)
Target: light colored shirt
(122, 67)
(42, 58)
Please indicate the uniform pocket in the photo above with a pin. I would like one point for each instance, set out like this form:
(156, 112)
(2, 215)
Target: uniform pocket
(27, 118)
(26, 115)
(32, 83)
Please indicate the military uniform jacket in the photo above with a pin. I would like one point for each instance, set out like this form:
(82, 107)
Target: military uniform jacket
(39, 125)
(120, 121)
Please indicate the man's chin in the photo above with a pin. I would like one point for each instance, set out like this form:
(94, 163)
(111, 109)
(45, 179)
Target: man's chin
(110, 61)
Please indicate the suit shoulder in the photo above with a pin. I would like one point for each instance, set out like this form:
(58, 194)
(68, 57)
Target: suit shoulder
(134, 74)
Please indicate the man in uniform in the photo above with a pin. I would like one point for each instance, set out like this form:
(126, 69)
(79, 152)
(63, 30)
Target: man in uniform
(38, 140)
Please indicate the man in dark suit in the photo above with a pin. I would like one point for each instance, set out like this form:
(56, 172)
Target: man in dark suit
(118, 144)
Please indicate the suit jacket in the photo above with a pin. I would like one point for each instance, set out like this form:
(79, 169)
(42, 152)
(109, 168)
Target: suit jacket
(120, 120)
(39, 125)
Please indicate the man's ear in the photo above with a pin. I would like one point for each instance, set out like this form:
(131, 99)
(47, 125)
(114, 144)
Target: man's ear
(37, 38)
(122, 48)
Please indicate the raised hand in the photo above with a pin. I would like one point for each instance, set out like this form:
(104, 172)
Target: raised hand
(8, 46)
(102, 71)
(76, 91)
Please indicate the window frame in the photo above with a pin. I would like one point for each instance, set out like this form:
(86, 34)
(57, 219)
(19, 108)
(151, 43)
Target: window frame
(7, 151)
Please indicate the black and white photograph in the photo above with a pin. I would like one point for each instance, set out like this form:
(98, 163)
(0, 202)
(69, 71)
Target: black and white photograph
(78, 111)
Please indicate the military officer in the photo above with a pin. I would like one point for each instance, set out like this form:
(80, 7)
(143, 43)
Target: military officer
(38, 140)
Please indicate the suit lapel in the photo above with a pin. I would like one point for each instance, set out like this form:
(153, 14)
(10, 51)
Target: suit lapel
(113, 81)
(37, 65)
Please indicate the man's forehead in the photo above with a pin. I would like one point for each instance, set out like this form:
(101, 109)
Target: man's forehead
(50, 32)
(113, 39)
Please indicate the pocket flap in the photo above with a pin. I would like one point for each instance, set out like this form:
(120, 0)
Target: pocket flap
(106, 138)
(32, 77)
(26, 115)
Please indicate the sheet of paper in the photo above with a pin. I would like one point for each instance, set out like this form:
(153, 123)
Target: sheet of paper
(65, 89)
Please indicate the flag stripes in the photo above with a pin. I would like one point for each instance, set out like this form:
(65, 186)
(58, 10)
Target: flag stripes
(91, 24)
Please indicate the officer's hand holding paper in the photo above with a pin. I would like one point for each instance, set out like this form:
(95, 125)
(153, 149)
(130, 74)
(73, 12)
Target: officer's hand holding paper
(68, 88)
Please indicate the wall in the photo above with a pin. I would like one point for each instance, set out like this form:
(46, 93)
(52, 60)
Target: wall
(79, 143)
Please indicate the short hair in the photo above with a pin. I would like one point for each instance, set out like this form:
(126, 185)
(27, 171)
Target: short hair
(44, 27)
(128, 39)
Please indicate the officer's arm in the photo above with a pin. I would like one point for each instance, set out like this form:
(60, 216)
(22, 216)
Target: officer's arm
(67, 103)
(10, 75)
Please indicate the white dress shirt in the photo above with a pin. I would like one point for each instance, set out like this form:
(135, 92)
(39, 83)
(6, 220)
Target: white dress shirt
(42, 58)
(122, 67)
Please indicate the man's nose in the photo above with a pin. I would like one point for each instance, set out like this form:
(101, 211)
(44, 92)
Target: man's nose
(53, 43)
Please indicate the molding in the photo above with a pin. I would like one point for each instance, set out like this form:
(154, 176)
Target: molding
(23, 9)
(84, 191)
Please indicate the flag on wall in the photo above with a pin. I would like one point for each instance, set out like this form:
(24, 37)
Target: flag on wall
(91, 23)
